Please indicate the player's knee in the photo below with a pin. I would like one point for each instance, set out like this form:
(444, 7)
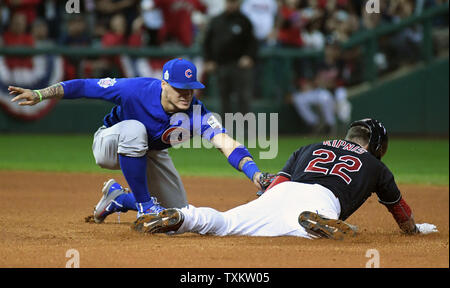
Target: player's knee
(133, 139)
(108, 163)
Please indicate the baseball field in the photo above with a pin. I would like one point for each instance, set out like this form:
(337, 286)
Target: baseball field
(49, 183)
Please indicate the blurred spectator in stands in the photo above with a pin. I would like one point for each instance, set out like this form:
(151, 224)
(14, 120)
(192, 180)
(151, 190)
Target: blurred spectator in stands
(110, 66)
(214, 7)
(440, 30)
(116, 36)
(404, 46)
(230, 49)
(313, 39)
(342, 21)
(39, 30)
(53, 11)
(201, 20)
(108, 8)
(17, 35)
(290, 24)
(262, 14)
(75, 32)
(324, 92)
(369, 21)
(26, 7)
(136, 37)
(153, 21)
(312, 35)
(178, 27)
(3, 12)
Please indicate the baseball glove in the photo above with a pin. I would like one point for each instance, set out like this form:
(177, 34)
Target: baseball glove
(265, 180)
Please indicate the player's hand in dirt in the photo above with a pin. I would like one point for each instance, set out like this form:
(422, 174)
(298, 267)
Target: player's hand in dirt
(28, 96)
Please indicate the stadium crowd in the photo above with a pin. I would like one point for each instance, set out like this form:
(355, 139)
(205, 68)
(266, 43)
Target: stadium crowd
(310, 24)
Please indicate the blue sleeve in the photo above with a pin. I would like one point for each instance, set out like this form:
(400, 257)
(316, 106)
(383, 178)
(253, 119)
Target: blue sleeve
(105, 89)
(210, 125)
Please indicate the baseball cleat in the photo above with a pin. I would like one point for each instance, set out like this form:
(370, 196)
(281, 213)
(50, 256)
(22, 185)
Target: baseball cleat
(165, 221)
(111, 190)
(150, 207)
(322, 227)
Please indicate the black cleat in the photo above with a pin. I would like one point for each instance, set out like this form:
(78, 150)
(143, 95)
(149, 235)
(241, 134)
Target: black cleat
(322, 227)
(165, 221)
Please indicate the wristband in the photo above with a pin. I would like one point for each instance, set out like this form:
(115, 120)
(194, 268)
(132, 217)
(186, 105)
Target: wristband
(40, 95)
(249, 169)
(236, 156)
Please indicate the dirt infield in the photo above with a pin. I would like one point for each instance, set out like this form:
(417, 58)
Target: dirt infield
(42, 217)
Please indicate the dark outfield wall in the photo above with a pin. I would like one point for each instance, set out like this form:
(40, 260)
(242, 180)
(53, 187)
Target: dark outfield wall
(416, 103)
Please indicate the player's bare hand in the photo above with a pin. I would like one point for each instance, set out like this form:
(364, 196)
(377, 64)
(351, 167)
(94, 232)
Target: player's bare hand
(25, 96)
(256, 180)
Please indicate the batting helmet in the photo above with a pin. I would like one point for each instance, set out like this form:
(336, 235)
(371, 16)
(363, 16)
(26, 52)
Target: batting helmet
(378, 142)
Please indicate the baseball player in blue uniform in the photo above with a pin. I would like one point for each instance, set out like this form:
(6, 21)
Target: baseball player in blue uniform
(150, 116)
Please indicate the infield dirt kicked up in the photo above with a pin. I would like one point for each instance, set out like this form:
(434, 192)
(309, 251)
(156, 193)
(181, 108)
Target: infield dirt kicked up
(42, 217)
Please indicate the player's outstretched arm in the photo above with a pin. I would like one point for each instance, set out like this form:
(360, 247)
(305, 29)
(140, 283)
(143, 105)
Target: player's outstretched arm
(238, 156)
(403, 216)
(29, 97)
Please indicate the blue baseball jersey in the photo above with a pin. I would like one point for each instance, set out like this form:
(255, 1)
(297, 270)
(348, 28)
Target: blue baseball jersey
(140, 99)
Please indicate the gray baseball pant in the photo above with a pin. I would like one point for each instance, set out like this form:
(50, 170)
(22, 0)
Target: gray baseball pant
(129, 138)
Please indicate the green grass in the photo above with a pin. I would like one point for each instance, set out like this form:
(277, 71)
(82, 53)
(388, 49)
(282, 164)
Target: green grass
(414, 161)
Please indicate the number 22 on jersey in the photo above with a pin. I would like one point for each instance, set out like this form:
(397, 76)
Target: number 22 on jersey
(348, 163)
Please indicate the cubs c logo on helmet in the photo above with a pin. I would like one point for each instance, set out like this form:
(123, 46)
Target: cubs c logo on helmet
(188, 73)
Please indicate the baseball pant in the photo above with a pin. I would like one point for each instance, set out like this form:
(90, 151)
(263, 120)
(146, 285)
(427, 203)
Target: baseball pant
(275, 213)
(129, 138)
(323, 99)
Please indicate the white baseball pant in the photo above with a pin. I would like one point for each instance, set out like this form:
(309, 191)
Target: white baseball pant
(322, 98)
(275, 213)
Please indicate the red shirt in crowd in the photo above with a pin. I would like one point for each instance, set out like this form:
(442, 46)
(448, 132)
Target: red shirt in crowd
(111, 39)
(177, 19)
(290, 31)
(27, 7)
(10, 39)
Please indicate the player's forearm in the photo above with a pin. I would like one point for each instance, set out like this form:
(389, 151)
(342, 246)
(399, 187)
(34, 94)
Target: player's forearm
(224, 144)
(237, 154)
(227, 145)
(51, 92)
(403, 216)
(240, 164)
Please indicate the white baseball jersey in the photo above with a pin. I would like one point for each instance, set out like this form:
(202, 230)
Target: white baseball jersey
(262, 15)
